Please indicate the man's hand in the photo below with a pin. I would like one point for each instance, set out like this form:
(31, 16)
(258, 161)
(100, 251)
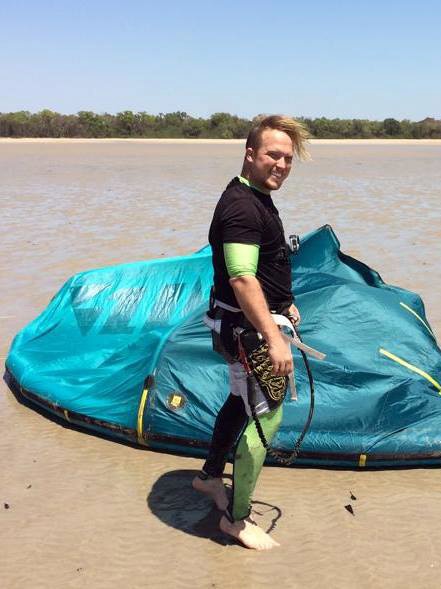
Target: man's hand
(279, 352)
(294, 315)
(252, 301)
(280, 356)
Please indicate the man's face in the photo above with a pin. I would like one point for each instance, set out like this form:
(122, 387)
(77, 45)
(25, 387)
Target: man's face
(270, 164)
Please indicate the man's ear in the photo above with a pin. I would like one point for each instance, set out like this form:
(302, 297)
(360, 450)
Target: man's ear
(249, 154)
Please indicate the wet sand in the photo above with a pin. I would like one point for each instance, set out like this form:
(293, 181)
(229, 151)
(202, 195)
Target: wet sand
(87, 512)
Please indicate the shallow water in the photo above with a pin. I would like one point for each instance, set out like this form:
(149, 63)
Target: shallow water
(88, 517)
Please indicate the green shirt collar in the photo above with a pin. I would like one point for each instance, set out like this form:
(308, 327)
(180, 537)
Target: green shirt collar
(248, 183)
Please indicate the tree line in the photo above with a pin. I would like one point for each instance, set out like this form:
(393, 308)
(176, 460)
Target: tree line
(48, 123)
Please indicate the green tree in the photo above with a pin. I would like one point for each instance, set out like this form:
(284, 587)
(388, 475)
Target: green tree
(392, 127)
(45, 121)
(226, 126)
(125, 123)
(16, 124)
(91, 125)
(145, 124)
(430, 128)
(406, 129)
(193, 128)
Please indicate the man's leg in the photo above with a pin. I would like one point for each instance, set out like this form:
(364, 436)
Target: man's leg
(230, 421)
(249, 458)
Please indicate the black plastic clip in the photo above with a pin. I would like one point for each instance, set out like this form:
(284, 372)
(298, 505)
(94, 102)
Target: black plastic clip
(294, 244)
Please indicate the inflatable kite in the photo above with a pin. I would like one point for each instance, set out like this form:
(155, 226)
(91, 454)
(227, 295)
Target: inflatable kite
(123, 351)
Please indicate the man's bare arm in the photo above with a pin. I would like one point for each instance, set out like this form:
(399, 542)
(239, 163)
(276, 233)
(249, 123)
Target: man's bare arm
(252, 301)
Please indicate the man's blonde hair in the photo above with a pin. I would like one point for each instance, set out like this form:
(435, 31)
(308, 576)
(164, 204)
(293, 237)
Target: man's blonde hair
(297, 132)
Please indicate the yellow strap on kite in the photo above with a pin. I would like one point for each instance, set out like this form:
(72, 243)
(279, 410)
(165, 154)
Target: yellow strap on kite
(411, 367)
(142, 403)
(418, 317)
(362, 460)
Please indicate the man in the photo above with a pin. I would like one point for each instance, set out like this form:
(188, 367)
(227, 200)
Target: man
(252, 281)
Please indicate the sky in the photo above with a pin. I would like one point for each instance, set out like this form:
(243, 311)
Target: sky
(357, 59)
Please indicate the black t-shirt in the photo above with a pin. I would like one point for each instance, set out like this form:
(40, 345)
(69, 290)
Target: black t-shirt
(245, 215)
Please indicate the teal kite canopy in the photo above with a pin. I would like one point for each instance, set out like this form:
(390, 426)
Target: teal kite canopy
(123, 351)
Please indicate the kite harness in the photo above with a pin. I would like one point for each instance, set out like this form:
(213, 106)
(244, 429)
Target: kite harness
(248, 360)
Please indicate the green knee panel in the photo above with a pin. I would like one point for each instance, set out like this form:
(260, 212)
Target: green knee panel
(248, 461)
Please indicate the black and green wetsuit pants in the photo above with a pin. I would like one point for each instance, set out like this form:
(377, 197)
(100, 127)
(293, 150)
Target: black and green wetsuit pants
(234, 429)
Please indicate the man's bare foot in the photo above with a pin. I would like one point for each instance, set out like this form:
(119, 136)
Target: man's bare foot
(214, 488)
(248, 533)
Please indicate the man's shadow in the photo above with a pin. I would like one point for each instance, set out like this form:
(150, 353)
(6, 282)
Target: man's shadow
(173, 500)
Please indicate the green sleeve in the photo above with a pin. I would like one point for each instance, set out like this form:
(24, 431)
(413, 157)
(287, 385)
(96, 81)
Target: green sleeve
(241, 259)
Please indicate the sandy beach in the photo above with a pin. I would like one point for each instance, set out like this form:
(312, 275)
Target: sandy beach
(78, 510)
